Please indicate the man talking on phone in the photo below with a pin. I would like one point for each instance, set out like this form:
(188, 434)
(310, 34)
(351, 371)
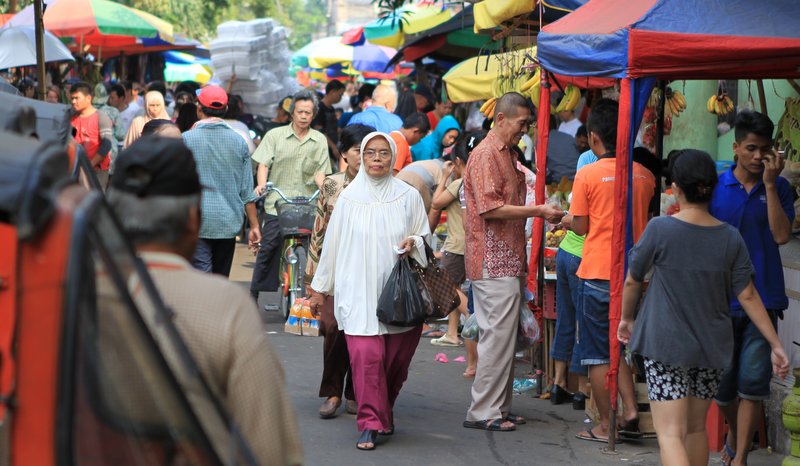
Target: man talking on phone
(752, 197)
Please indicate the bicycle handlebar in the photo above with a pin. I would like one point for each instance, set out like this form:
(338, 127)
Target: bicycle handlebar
(300, 200)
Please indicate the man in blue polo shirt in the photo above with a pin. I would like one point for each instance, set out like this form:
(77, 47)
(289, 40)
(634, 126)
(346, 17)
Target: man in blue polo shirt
(753, 198)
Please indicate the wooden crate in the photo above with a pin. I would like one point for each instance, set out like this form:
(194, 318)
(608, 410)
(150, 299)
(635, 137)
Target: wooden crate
(645, 417)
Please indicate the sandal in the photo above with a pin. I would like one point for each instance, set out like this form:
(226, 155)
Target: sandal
(726, 455)
(630, 429)
(590, 436)
(487, 424)
(444, 341)
(517, 420)
(367, 437)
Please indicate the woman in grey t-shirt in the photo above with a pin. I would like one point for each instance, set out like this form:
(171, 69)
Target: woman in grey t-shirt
(683, 329)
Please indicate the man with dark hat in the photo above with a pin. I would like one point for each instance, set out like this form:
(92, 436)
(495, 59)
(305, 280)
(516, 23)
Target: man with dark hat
(223, 162)
(156, 194)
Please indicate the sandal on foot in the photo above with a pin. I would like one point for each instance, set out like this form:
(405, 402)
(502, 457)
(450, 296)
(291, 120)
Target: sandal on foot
(444, 341)
(517, 420)
(493, 425)
(590, 436)
(727, 454)
(630, 429)
(469, 374)
(367, 437)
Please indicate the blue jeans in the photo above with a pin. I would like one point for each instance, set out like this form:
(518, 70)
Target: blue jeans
(568, 298)
(214, 255)
(593, 338)
(750, 371)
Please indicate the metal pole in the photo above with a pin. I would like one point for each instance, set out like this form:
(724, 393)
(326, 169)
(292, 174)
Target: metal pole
(38, 12)
(762, 96)
(662, 86)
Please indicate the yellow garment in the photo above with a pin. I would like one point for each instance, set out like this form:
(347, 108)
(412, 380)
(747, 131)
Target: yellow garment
(465, 85)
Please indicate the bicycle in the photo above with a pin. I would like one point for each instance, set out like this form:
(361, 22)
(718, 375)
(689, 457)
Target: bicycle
(296, 221)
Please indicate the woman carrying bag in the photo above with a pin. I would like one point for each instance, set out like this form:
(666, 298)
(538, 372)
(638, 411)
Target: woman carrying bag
(377, 219)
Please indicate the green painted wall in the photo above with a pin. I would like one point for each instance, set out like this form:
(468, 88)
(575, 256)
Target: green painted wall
(696, 128)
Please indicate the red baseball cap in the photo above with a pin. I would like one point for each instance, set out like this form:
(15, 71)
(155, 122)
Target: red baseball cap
(212, 97)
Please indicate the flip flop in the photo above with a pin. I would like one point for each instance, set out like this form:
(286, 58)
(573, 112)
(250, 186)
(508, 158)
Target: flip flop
(630, 429)
(726, 455)
(492, 425)
(443, 341)
(589, 436)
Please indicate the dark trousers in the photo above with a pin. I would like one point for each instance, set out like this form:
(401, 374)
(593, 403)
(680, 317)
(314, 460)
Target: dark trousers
(335, 357)
(268, 261)
(214, 255)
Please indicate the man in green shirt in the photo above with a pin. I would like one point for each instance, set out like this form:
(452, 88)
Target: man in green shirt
(295, 159)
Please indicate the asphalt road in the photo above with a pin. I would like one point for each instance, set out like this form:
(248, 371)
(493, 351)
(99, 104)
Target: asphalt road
(429, 413)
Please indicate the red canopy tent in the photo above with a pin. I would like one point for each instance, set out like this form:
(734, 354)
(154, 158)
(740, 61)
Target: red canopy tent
(648, 40)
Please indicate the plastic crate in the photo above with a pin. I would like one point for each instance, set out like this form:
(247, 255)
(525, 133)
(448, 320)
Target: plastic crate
(549, 300)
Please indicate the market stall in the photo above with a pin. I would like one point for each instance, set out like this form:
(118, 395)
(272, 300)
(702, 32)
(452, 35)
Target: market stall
(642, 42)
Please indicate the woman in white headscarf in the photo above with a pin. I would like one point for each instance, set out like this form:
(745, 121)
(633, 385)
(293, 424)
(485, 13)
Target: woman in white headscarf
(154, 109)
(376, 218)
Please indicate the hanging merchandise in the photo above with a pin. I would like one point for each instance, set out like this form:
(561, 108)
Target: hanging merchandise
(788, 132)
(720, 104)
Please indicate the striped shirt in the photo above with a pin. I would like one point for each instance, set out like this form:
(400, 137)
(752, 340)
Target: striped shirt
(223, 163)
(292, 163)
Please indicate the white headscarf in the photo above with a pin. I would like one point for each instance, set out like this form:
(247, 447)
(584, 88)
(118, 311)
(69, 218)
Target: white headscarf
(368, 189)
(372, 216)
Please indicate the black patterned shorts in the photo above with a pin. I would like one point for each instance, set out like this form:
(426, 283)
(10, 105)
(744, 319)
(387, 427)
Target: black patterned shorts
(666, 383)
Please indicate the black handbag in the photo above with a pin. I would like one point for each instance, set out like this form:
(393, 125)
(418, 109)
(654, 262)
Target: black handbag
(438, 290)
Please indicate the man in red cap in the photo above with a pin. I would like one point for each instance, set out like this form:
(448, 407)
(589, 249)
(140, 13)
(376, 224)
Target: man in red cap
(223, 163)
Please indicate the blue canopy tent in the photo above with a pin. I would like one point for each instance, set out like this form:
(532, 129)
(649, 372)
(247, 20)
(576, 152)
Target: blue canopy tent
(649, 40)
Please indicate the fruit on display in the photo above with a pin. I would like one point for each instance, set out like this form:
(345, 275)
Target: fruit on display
(674, 103)
(553, 238)
(571, 99)
(720, 104)
(487, 109)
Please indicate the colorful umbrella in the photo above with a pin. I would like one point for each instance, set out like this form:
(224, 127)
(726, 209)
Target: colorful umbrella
(18, 47)
(95, 20)
(414, 18)
(329, 51)
(354, 36)
(174, 72)
(322, 53)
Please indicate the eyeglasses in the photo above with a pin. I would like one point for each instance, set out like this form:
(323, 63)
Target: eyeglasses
(384, 154)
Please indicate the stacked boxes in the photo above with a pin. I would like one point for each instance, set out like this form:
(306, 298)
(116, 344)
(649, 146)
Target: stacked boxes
(257, 52)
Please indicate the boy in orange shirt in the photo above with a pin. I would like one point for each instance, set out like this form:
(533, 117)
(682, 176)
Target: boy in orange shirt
(592, 213)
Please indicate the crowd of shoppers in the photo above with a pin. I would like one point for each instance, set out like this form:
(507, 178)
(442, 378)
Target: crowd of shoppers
(713, 268)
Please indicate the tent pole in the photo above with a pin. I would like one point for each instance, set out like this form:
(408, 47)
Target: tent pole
(38, 12)
(762, 96)
(662, 87)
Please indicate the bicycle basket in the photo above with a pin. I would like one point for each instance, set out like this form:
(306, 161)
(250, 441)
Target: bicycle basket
(295, 219)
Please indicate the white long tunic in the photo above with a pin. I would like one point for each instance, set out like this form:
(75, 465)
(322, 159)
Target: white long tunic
(372, 216)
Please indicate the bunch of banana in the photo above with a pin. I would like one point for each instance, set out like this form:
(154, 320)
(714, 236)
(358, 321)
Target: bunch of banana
(571, 99)
(675, 103)
(488, 108)
(720, 104)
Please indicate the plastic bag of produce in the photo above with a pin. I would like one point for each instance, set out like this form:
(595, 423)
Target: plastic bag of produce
(470, 330)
